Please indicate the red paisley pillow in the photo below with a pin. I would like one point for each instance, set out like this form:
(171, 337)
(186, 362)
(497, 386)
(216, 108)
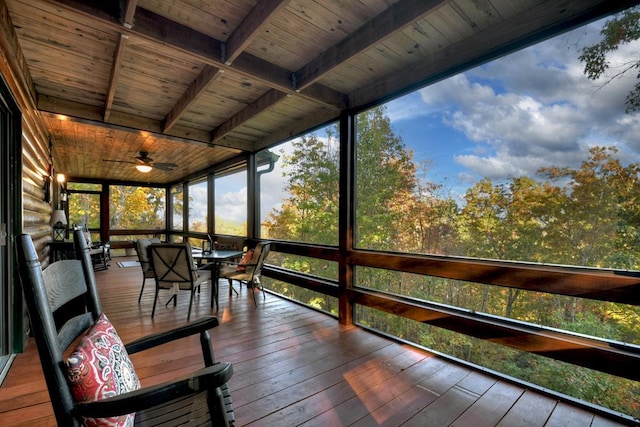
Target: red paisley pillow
(99, 367)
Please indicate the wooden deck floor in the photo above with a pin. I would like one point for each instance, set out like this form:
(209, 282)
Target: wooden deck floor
(294, 366)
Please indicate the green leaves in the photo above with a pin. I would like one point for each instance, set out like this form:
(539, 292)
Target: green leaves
(623, 28)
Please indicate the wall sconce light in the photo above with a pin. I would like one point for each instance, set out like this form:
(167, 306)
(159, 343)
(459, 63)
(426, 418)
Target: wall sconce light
(144, 168)
(59, 223)
(63, 192)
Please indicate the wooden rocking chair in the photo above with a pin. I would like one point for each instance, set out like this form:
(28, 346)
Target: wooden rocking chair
(65, 311)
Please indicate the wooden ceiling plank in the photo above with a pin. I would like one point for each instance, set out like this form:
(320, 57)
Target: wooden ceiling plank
(390, 21)
(104, 10)
(115, 74)
(250, 26)
(91, 115)
(193, 92)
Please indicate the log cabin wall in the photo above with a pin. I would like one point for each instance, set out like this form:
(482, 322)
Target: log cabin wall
(36, 210)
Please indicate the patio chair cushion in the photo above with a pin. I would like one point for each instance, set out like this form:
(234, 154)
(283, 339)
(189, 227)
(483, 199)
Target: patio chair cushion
(99, 367)
(245, 260)
(142, 246)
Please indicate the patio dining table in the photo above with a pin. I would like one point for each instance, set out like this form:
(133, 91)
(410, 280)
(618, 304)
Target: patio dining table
(213, 261)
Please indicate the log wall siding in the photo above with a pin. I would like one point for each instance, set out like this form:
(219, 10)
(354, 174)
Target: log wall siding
(35, 140)
(35, 151)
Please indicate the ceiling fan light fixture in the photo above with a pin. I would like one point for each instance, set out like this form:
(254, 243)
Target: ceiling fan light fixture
(144, 168)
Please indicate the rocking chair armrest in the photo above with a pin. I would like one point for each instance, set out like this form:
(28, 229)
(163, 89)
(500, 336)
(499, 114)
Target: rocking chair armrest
(204, 379)
(198, 327)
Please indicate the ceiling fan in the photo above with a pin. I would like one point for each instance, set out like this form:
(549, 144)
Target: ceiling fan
(144, 163)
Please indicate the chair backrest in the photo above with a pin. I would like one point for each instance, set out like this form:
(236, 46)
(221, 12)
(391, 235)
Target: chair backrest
(229, 243)
(142, 250)
(62, 302)
(254, 268)
(172, 263)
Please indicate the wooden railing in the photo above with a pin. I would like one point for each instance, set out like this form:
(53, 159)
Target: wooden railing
(608, 356)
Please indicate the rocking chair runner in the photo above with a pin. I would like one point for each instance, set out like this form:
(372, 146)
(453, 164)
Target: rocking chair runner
(58, 322)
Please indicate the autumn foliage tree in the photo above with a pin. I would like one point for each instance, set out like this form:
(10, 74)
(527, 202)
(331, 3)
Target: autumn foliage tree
(134, 207)
(585, 216)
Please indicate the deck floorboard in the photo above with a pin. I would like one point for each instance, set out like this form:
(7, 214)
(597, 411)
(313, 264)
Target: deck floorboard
(294, 366)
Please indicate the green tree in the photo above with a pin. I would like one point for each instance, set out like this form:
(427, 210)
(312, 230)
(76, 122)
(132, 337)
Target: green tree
(623, 28)
(385, 181)
(310, 214)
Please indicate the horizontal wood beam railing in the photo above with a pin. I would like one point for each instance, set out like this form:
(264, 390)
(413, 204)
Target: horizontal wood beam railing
(600, 284)
(608, 356)
(128, 236)
(604, 285)
(307, 281)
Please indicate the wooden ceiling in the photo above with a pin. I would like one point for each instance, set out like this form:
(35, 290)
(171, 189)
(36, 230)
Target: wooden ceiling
(198, 82)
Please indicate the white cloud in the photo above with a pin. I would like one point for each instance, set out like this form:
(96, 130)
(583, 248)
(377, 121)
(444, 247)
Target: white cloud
(535, 108)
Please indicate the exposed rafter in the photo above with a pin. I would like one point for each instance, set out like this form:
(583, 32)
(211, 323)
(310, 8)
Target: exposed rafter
(242, 76)
(115, 75)
(261, 104)
(216, 54)
(197, 87)
(129, 12)
(250, 26)
(393, 19)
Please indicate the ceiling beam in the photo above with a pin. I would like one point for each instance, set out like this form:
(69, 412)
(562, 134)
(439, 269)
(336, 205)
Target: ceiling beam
(204, 48)
(193, 92)
(375, 31)
(199, 46)
(129, 12)
(267, 100)
(299, 127)
(115, 74)
(91, 115)
(172, 34)
(250, 26)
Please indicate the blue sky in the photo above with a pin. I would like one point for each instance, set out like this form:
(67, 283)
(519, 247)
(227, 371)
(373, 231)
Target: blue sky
(508, 118)
(524, 111)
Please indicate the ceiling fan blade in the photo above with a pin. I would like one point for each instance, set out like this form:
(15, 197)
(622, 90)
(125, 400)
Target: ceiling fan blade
(144, 159)
(168, 167)
(118, 161)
